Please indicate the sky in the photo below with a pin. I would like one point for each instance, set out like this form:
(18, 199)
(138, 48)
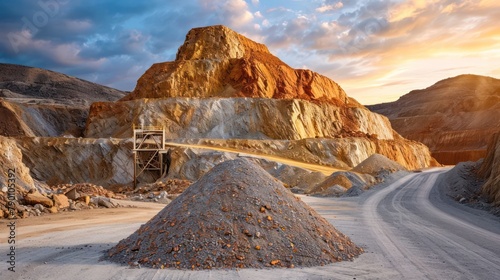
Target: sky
(377, 50)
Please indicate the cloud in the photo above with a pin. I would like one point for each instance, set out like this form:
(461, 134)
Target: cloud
(329, 8)
(234, 13)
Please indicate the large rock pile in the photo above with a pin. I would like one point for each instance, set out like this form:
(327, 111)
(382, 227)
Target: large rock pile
(455, 118)
(236, 216)
(369, 172)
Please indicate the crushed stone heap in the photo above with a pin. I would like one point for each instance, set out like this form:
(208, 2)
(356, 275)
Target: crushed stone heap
(236, 216)
(377, 163)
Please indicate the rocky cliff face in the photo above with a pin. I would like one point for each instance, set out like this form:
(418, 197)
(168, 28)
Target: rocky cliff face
(11, 158)
(455, 118)
(105, 162)
(243, 118)
(340, 153)
(490, 171)
(45, 120)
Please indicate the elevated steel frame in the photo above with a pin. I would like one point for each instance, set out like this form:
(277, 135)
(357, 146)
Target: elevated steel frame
(149, 147)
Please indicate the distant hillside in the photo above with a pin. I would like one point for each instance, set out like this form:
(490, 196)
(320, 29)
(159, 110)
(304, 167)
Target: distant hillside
(39, 102)
(455, 117)
(17, 81)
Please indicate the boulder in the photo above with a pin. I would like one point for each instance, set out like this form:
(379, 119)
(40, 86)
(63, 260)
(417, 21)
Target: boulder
(60, 200)
(37, 198)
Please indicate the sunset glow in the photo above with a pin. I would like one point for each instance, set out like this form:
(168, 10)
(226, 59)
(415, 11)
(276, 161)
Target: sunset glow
(376, 50)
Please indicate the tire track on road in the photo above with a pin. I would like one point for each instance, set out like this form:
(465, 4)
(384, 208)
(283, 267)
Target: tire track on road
(393, 251)
(421, 241)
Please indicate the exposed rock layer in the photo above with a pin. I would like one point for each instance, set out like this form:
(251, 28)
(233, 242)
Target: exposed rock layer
(105, 162)
(455, 118)
(44, 120)
(11, 158)
(490, 171)
(244, 118)
(341, 153)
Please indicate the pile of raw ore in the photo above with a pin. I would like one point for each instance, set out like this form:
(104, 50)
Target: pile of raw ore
(235, 216)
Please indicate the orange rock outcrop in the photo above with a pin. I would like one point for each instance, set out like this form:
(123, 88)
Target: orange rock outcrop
(217, 61)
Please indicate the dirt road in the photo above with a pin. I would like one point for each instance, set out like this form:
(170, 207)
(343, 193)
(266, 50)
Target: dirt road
(327, 170)
(406, 235)
(422, 241)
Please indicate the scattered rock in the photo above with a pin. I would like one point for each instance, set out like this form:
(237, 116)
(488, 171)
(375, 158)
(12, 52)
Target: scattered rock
(72, 194)
(39, 207)
(102, 201)
(72, 206)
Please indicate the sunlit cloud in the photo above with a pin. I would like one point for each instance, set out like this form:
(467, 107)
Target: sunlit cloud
(376, 50)
(329, 8)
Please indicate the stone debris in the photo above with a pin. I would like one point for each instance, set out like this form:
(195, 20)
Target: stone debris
(66, 197)
(161, 191)
(235, 216)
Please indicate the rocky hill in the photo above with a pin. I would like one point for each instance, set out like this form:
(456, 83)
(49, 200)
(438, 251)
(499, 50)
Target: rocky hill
(455, 118)
(215, 61)
(17, 81)
(223, 90)
(223, 85)
(39, 102)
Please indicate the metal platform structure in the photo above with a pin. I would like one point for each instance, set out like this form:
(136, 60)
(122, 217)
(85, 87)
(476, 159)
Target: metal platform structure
(149, 148)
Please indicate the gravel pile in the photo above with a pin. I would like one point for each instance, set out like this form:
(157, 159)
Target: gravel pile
(236, 216)
(377, 163)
